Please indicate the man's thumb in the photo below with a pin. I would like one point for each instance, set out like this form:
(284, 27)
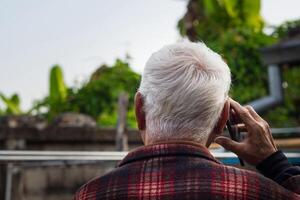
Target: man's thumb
(228, 144)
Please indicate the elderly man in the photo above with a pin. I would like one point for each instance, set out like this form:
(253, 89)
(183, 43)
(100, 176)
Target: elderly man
(182, 106)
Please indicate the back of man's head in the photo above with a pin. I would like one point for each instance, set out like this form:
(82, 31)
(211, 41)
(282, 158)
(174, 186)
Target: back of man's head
(184, 86)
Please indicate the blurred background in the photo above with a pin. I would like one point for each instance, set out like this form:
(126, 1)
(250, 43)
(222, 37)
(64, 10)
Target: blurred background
(69, 71)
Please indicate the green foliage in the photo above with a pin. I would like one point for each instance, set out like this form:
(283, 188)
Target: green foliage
(57, 90)
(108, 119)
(209, 19)
(12, 104)
(131, 120)
(286, 29)
(99, 96)
(240, 50)
(234, 28)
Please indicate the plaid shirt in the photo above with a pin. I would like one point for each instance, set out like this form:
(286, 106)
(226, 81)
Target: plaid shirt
(180, 171)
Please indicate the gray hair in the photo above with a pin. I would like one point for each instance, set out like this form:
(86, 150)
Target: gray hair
(184, 86)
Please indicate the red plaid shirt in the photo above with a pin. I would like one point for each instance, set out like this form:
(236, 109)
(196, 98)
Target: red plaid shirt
(180, 171)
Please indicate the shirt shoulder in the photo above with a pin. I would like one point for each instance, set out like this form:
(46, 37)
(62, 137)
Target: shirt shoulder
(101, 186)
(253, 184)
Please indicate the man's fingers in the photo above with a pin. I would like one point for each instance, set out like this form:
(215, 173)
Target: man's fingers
(253, 113)
(234, 118)
(262, 122)
(229, 144)
(242, 112)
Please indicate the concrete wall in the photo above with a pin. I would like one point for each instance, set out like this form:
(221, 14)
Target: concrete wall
(58, 182)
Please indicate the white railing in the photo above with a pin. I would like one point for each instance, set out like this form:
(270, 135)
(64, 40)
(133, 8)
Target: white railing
(16, 157)
(21, 156)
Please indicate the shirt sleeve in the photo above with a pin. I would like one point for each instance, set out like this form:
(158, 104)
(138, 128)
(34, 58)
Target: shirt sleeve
(278, 168)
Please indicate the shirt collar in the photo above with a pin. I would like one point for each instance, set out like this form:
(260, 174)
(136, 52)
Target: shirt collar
(168, 149)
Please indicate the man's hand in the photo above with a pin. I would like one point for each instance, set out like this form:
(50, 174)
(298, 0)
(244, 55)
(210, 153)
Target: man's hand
(258, 144)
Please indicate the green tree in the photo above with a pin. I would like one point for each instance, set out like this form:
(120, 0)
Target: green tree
(99, 96)
(209, 19)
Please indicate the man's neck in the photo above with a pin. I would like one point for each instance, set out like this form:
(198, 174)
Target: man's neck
(181, 141)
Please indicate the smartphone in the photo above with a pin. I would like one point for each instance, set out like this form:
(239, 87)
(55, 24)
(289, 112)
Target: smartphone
(234, 136)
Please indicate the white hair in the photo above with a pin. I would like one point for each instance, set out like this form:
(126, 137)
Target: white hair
(184, 86)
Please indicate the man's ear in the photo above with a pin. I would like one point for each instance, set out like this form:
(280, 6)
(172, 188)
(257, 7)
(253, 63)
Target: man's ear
(218, 129)
(139, 111)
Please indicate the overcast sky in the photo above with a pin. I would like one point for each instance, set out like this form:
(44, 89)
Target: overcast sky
(80, 35)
